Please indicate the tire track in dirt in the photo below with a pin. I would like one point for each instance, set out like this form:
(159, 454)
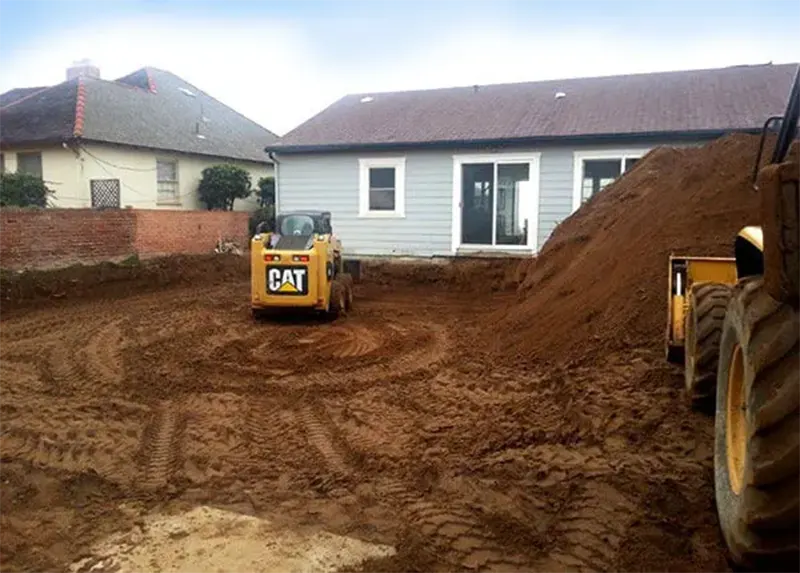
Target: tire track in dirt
(374, 428)
(161, 444)
(63, 368)
(553, 462)
(104, 357)
(458, 537)
(318, 433)
(423, 357)
(590, 530)
(351, 341)
(89, 438)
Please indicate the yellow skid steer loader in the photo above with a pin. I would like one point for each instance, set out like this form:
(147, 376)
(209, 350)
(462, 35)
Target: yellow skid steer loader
(300, 266)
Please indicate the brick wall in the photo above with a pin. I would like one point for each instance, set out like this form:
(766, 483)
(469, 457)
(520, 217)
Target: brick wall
(187, 232)
(62, 237)
(53, 238)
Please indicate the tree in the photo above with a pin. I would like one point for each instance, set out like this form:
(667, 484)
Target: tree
(23, 190)
(266, 201)
(222, 184)
(266, 192)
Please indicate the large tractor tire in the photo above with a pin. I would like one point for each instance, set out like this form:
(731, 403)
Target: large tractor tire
(703, 327)
(756, 454)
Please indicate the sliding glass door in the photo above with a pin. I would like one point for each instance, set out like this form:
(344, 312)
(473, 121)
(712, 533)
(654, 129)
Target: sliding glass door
(496, 201)
(477, 200)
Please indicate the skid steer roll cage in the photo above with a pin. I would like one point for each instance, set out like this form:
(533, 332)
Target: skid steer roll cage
(788, 130)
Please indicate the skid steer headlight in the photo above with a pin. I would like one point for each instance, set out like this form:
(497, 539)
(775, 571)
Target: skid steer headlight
(269, 258)
(300, 258)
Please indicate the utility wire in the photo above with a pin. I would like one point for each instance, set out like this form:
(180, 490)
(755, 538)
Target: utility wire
(99, 160)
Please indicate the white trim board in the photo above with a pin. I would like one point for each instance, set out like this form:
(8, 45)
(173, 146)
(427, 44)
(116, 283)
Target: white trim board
(577, 165)
(399, 165)
(533, 159)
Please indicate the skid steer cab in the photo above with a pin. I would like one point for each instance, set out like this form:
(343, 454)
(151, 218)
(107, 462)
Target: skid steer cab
(300, 266)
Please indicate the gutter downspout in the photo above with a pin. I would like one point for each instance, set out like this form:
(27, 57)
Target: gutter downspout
(277, 164)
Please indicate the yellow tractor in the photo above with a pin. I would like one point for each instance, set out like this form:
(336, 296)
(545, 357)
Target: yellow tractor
(734, 324)
(300, 266)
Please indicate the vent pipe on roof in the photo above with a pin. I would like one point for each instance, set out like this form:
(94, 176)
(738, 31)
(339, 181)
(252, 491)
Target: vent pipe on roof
(560, 95)
(83, 69)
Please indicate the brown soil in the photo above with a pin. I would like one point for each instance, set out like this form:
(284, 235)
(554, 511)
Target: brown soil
(384, 426)
(600, 282)
(392, 425)
(39, 287)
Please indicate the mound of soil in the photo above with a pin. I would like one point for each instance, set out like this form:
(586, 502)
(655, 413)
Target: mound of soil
(600, 282)
(108, 279)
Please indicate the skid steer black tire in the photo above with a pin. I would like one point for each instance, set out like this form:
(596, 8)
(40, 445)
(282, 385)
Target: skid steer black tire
(703, 328)
(757, 415)
(338, 302)
(347, 281)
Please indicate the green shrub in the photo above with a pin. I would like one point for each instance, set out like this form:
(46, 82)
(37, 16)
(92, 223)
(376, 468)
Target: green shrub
(23, 190)
(222, 184)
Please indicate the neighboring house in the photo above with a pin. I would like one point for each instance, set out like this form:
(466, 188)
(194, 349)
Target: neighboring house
(141, 140)
(496, 167)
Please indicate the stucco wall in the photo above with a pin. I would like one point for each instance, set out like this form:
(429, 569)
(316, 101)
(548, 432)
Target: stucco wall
(68, 173)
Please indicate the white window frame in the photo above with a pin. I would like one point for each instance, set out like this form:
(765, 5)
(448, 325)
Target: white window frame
(176, 198)
(399, 165)
(533, 159)
(578, 157)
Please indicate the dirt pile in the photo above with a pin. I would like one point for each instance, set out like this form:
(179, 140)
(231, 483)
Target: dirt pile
(600, 283)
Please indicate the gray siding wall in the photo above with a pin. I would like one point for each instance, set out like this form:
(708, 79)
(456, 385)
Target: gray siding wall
(330, 182)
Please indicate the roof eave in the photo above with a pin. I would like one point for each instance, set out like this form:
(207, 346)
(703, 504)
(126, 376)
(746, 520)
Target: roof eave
(10, 144)
(518, 141)
(251, 159)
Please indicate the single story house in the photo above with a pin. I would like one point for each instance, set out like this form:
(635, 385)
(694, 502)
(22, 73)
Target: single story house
(142, 140)
(494, 168)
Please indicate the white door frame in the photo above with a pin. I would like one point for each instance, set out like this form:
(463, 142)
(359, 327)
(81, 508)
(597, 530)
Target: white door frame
(533, 159)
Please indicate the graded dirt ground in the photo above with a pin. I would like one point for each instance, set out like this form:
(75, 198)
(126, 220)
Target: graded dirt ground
(465, 422)
(384, 426)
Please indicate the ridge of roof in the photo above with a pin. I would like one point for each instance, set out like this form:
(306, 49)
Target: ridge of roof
(80, 108)
(564, 79)
(209, 96)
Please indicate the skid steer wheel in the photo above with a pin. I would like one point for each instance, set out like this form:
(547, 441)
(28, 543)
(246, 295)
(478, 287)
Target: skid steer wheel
(338, 302)
(756, 443)
(347, 280)
(703, 328)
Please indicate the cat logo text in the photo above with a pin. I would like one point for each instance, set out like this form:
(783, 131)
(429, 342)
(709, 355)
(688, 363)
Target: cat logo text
(288, 280)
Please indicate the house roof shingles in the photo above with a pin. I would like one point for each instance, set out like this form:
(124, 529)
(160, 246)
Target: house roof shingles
(148, 108)
(724, 99)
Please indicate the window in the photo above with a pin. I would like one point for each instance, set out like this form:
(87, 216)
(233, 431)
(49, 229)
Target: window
(167, 181)
(30, 163)
(594, 170)
(496, 201)
(382, 187)
(105, 193)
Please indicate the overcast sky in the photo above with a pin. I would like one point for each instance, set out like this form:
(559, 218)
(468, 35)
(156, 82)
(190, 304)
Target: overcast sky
(279, 63)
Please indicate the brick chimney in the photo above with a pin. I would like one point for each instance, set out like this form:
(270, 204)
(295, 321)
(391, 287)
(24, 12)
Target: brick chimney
(83, 68)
